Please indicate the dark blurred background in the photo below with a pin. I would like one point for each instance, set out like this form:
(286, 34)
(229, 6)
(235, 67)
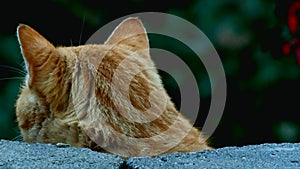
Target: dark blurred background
(262, 78)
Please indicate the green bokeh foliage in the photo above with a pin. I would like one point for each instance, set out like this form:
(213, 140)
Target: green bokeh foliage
(262, 85)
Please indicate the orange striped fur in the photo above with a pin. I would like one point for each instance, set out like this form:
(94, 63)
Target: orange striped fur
(73, 95)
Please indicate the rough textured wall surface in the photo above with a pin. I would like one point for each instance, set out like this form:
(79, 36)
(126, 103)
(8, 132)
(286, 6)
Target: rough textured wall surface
(23, 155)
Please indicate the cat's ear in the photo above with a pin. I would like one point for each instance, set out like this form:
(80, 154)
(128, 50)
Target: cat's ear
(35, 48)
(130, 34)
(36, 51)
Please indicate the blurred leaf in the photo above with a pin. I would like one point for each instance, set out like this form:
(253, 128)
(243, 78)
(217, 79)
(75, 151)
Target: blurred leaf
(205, 86)
(10, 50)
(78, 8)
(7, 101)
(287, 131)
(231, 65)
(271, 70)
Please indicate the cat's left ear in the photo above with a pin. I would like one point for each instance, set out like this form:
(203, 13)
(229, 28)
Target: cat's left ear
(132, 35)
(39, 54)
(33, 45)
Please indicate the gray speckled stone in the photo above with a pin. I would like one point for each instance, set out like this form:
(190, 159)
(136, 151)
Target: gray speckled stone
(255, 156)
(23, 155)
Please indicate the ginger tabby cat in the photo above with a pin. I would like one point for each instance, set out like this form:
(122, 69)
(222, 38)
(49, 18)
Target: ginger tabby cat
(107, 97)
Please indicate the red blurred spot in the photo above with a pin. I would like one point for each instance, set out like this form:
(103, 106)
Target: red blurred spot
(297, 52)
(292, 18)
(293, 24)
(286, 49)
(294, 45)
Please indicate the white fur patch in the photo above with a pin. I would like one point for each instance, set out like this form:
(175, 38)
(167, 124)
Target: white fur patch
(32, 98)
(26, 67)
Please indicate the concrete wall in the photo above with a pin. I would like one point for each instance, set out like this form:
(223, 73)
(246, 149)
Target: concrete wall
(23, 155)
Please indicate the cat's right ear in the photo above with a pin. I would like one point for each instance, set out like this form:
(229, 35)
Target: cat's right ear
(36, 50)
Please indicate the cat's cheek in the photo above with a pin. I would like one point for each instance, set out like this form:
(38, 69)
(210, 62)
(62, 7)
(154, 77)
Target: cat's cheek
(29, 114)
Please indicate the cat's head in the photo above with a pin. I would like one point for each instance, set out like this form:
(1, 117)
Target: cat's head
(61, 80)
(109, 94)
